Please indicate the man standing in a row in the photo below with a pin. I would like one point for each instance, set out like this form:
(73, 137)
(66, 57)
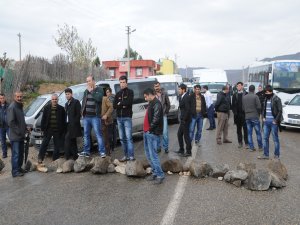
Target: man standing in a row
(185, 119)
(16, 134)
(210, 108)
(153, 127)
(73, 127)
(123, 104)
(163, 97)
(252, 108)
(222, 107)
(198, 111)
(52, 125)
(3, 124)
(239, 114)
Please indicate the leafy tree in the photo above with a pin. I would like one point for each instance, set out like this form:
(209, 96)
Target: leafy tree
(84, 53)
(97, 62)
(133, 54)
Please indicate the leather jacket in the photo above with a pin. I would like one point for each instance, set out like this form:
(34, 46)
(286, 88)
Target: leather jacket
(276, 107)
(155, 117)
(193, 105)
(223, 102)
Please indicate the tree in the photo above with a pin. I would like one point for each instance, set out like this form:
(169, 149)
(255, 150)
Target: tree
(133, 54)
(84, 53)
(97, 62)
(67, 39)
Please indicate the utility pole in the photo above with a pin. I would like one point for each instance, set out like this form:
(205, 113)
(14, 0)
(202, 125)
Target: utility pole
(19, 35)
(129, 31)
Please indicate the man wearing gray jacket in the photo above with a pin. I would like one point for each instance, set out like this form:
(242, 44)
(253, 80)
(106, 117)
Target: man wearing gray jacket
(16, 133)
(252, 109)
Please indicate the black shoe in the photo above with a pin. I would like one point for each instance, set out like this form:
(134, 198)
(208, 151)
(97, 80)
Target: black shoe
(18, 175)
(4, 156)
(124, 159)
(166, 150)
(131, 159)
(210, 128)
(179, 152)
(187, 155)
(22, 171)
(158, 150)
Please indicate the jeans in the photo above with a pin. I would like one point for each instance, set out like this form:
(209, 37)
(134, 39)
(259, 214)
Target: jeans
(125, 134)
(150, 145)
(254, 123)
(198, 120)
(165, 135)
(3, 132)
(57, 140)
(94, 122)
(211, 116)
(270, 127)
(17, 156)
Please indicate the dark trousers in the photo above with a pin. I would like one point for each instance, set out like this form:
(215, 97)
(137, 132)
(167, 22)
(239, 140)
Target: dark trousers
(70, 148)
(240, 129)
(57, 144)
(183, 131)
(17, 156)
(211, 116)
(108, 134)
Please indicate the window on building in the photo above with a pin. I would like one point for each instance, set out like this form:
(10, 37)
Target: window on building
(150, 71)
(112, 72)
(139, 71)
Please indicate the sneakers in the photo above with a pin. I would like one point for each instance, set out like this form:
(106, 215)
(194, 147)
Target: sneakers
(263, 157)
(260, 149)
(276, 156)
(158, 180)
(124, 159)
(227, 141)
(102, 155)
(84, 154)
(150, 178)
(252, 149)
(247, 146)
(18, 175)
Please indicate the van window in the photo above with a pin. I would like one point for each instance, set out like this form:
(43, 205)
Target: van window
(77, 93)
(34, 106)
(170, 88)
(138, 90)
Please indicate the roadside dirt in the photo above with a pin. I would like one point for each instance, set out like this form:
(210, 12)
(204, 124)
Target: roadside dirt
(46, 88)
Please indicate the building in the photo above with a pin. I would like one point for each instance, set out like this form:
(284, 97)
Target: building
(138, 68)
(167, 66)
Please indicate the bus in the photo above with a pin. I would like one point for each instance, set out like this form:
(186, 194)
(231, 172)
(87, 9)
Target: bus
(283, 75)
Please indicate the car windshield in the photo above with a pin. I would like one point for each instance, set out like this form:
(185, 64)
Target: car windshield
(77, 93)
(34, 106)
(169, 87)
(214, 87)
(295, 100)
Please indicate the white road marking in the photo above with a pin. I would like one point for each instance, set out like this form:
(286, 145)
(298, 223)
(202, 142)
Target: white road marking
(170, 213)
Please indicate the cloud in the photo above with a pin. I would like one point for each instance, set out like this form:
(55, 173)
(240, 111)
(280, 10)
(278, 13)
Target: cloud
(220, 33)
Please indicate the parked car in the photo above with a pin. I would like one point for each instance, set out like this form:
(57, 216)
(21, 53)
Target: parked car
(139, 106)
(291, 113)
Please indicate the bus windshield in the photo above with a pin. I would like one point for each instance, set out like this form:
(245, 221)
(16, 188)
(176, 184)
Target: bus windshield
(286, 75)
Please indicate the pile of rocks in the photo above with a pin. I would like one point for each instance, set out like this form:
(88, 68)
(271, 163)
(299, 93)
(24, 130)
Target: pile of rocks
(245, 174)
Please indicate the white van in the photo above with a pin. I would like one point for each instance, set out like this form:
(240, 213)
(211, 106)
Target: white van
(170, 83)
(139, 105)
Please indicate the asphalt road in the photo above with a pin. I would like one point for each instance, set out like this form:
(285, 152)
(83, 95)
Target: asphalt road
(85, 198)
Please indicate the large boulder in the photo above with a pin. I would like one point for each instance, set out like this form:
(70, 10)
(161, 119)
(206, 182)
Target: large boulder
(200, 169)
(82, 164)
(101, 165)
(220, 170)
(172, 165)
(121, 169)
(68, 166)
(277, 181)
(145, 163)
(2, 165)
(246, 166)
(234, 175)
(135, 169)
(276, 166)
(111, 168)
(259, 180)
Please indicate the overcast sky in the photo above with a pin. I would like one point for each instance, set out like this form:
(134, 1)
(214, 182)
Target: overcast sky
(226, 34)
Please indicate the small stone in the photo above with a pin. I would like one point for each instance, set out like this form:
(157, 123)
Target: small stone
(149, 170)
(68, 166)
(180, 173)
(101, 165)
(233, 175)
(277, 181)
(116, 162)
(82, 164)
(246, 166)
(276, 166)
(42, 169)
(220, 170)
(185, 168)
(59, 170)
(172, 165)
(169, 172)
(274, 189)
(237, 183)
(200, 169)
(220, 178)
(259, 180)
(135, 169)
(120, 169)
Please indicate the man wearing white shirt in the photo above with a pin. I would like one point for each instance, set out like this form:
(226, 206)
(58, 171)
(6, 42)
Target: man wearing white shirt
(210, 108)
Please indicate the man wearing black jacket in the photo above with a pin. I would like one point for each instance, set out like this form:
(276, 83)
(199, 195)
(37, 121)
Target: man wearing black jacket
(198, 111)
(73, 127)
(153, 128)
(52, 125)
(222, 107)
(185, 119)
(239, 115)
(123, 104)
